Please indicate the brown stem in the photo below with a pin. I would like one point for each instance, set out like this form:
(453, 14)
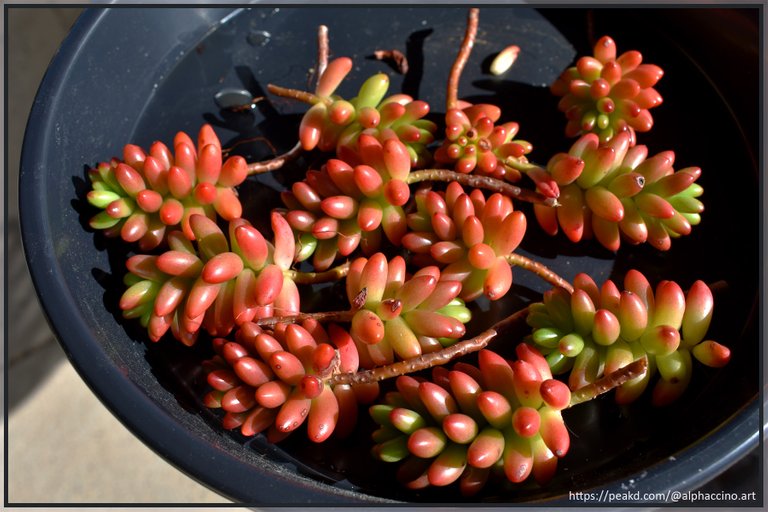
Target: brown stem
(540, 270)
(398, 58)
(484, 182)
(225, 152)
(323, 316)
(610, 381)
(332, 274)
(296, 94)
(425, 361)
(276, 162)
(322, 50)
(452, 94)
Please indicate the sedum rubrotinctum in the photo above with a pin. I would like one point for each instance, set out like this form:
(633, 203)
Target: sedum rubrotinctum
(276, 380)
(613, 191)
(341, 207)
(468, 236)
(402, 316)
(146, 195)
(608, 94)
(215, 281)
(335, 124)
(471, 423)
(595, 331)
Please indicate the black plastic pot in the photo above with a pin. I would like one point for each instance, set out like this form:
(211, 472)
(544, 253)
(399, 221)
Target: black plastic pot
(137, 75)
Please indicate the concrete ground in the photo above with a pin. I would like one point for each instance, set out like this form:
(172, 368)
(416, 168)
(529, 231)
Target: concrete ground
(64, 446)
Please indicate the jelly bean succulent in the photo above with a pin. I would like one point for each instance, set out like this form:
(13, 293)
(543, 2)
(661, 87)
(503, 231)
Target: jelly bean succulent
(470, 236)
(615, 192)
(469, 422)
(474, 143)
(400, 315)
(143, 195)
(340, 207)
(595, 331)
(222, 282)
(336, 124)
(276, 380)
(608, 94)
(417, 252)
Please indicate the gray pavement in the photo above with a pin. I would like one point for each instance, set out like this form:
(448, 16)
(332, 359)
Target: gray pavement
(64, 446)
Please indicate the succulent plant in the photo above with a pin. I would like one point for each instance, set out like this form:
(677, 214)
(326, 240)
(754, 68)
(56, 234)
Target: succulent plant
(612, 191)
(469, 236)
(335, 124)
(595, 331)
(274, 381)
(471, 422)
(608, 94)
(399, 315)
(474, 144)
(145, 194)
(216, 285)
(340, 207)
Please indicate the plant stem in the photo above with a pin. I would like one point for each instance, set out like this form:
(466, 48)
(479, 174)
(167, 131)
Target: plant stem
(484, 182)
(332, 274)
(610, 381)
(296, 94)
(397, 57)
(540, 270)
(322, 316)
(425, 361)
(452, 94)
(322, 50)
(276, 162)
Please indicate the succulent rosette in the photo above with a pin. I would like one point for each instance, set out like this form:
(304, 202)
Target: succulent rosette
(275, 381)
(144, 194)
(401, 316)
(222, 282)
(471, 423)
(468, 236)
(335, 124)
(474, 143)
(613, 191)
(398, 116)
(340, 207)
(596, 331)
(608, 94)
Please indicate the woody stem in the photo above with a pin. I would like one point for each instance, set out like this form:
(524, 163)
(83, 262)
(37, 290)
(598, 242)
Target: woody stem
(484, 182)
(322, 316)
(276, 162)
(425, 361)
(609, 382)
(296, 94)
(539, 269)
